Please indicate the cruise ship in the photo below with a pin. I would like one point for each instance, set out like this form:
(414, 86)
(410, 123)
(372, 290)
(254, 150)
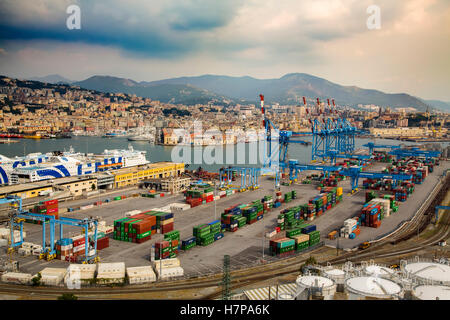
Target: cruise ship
(37, 166)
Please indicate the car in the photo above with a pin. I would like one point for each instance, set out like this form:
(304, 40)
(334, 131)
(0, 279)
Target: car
(394, 266)
(364, 245)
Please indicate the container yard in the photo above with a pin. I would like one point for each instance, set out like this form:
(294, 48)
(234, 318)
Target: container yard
(237, 223)
(144, 236)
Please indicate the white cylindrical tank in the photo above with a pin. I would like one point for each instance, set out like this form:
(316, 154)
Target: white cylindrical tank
(315, 285)
(285, 296)
(426, 292)
(335, 274)
(360, 288)
(378, 271)
(428, 271)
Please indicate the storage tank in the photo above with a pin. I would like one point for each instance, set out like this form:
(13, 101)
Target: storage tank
(338, 276)
(427, 292)
(285, 296)
(315, 286)
(378, 271)
(361, 288)
(426, 272)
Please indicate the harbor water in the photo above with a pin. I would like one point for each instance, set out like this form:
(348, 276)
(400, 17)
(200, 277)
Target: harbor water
(223, 155)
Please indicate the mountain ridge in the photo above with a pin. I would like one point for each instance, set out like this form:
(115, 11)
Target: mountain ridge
(288, 89)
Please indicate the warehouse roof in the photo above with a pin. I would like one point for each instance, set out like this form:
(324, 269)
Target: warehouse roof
(156, 165)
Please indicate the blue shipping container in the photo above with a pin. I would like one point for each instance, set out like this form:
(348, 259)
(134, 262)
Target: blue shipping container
(309, 229)
(218, 236)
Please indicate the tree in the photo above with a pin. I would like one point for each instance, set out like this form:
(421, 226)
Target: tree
(67, 296)
(310, 261)
(36, 281)
(93, 186)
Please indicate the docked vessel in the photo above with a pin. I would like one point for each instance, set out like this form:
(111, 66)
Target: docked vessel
(143, 137)
(38, 166)
(115, 133)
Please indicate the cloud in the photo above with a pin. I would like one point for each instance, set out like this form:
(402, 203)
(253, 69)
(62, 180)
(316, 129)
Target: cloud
(147, 40)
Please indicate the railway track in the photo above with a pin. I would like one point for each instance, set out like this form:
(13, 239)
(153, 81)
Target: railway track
(249, 276)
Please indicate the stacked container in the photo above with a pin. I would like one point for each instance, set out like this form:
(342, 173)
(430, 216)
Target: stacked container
(188, 243)
(351, 228)
(49, 207)
(79, 245)
(137, 229)
(64, 248)
(282, 247)
(162, 250)
(371, 215)
(174, 238)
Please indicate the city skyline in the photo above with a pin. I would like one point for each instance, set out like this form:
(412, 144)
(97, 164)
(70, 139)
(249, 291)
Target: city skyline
(163, 39)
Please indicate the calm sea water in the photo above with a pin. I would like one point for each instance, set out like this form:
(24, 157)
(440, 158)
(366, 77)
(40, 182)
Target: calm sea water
(156, 153)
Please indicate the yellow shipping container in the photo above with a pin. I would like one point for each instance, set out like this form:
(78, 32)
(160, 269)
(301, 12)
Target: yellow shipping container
(339, 191)
(301, 238)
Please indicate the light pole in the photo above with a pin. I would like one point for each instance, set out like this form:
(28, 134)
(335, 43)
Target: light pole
(215, 205)
(264, 230)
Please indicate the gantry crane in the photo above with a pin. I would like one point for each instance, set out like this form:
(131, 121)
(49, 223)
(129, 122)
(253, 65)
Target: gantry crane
(415, 152)
(18, 216)
(372, 146)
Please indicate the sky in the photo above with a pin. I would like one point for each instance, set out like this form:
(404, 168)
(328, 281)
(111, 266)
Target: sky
(148, 40)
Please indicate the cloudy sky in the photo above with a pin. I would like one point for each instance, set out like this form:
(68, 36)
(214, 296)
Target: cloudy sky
(157, 39)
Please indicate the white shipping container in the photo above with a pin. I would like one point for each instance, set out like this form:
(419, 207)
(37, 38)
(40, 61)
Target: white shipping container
(167, 263)
(179, 206)
(132, 213)
(138, 275)
(89, 206)
(81, 272)
(27, 245)
(170, 272)
(54, 271)
(24, 251)
(18, 278)
(3, 243)
(3, 232)
(52, 279)
(112, 268)
(108, 229)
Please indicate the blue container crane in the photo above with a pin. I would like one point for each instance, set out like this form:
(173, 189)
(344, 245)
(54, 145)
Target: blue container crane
(355, 173)
(415, 152)
(372, 146)
(18, 216)
(249, 176)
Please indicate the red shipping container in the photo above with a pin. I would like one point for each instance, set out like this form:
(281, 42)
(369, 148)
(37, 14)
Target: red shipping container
(161, 194)
(357, 231)
(162, 244)
(102, 243)
(50, 202)
(167, 228)
(277, 229)
(50, 211)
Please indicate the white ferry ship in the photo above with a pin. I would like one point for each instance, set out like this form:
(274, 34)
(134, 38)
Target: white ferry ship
(37, 166)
